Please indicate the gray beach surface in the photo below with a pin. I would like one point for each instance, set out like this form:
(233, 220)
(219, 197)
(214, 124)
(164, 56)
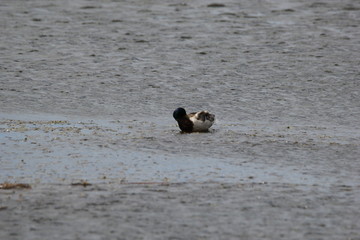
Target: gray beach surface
(87, 91)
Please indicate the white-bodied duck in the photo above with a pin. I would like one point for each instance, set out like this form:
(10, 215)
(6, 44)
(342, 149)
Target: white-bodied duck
(194, 122)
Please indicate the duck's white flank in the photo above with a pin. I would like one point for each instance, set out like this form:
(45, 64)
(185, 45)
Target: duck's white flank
(200, 125)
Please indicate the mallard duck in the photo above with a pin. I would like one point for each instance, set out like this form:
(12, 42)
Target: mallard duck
(193, 122)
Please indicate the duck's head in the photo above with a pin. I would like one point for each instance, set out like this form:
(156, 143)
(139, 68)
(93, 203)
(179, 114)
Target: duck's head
(179, 113)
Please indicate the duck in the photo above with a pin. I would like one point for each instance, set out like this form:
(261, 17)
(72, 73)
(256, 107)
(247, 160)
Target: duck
(193, 122)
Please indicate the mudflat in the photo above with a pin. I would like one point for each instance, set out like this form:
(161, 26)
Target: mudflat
(89, 149)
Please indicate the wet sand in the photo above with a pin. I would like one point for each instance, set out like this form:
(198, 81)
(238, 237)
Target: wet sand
(87, 90)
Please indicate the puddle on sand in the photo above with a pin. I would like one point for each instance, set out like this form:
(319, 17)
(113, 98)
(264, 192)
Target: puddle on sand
(104, 165)
(63, 150)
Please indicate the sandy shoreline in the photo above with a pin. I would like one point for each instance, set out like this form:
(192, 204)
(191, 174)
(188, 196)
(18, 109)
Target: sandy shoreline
(181, 211)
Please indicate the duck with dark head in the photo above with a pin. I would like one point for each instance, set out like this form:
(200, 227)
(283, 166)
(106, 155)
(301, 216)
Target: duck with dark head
(193, 122)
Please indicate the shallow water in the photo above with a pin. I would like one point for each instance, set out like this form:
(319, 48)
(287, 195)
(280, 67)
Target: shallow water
(273, 62)
(87, 91)
(64, 150)
(282, 79)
